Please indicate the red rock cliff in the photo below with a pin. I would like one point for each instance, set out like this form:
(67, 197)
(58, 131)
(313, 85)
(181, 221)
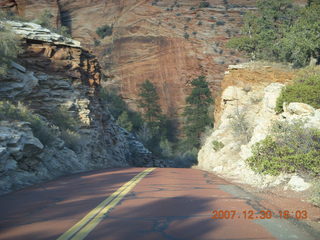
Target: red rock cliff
(165, 41)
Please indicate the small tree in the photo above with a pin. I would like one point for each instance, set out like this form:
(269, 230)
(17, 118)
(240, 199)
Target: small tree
(149, 103)
(196, 112)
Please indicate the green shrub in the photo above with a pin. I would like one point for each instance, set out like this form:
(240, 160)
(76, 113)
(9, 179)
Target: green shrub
(204, 4)
(9, 15)
(240, 126)
(9, 49)
(315, 198)
(72, 139)
(125, 122)
(186, 36)
(281, 31)
(166, 148)
(64, 31)
(305, 89)
(62, 118)
(217, 146)
(290, 148)
(10, 112)
(45, 19)
(104, 31)
(220, 23)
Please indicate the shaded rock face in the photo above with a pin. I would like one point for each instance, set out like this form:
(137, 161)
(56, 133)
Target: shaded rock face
(257, 105)
(60, 77)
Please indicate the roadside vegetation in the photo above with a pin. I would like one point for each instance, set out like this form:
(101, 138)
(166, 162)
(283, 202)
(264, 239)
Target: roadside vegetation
(305, 89)
(59, 123)
(290, 148)
(315, 199)
(19, 112)
(281, 31)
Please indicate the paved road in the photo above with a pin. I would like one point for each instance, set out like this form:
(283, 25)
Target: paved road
(142, 204)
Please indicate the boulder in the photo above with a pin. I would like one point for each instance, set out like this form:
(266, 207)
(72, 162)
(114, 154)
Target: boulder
(271, 93)
(299, 109)
(298, 184)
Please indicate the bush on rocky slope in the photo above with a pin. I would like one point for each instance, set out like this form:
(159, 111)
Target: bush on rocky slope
(305, 89)
(290, 148)
(10, 112)
(315, 199)
(9, 49)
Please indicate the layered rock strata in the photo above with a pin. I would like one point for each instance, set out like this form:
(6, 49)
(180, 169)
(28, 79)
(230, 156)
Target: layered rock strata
(55, 75)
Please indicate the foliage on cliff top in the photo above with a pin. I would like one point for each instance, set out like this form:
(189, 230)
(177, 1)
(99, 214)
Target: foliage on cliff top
(290, 148)
(281, 31)
(9, 49)
(305, 89)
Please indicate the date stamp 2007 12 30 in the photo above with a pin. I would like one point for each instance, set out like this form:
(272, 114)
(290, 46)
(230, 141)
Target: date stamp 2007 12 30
(263, 214)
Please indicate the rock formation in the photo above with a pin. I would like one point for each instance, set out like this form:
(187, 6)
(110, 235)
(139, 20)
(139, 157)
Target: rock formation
(167, 42)
(253, 96)
(56, 73)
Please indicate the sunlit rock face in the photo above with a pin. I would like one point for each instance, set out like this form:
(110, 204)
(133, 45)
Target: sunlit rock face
(251, 90)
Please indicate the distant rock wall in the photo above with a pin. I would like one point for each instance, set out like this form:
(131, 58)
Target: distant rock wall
(149, 41)
(256, 100)
(55, 73)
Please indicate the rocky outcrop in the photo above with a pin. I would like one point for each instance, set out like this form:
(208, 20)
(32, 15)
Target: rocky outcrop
(55, 75)
(252, 105)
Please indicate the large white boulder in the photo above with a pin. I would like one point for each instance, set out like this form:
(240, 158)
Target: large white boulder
(298, 184)
(300, 109)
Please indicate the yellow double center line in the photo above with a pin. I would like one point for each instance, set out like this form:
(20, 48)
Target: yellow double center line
(81, 229)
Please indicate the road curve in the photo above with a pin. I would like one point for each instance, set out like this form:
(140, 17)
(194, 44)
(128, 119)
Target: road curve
(162, 204)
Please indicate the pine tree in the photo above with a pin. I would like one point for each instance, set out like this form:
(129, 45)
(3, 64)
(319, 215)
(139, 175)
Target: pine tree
(196, 112)
(149, 102)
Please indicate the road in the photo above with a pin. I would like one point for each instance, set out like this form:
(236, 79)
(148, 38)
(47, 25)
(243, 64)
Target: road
(142, 204)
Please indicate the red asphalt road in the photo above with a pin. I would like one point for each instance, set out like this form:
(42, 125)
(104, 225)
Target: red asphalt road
(169, 204)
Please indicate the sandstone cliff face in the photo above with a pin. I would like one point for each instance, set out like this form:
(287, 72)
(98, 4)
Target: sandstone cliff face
(252, 90)
(55, 75)
(148, 41)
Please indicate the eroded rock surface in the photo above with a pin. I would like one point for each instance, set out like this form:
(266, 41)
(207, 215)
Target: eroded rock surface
(255, 101)
(51, 76)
